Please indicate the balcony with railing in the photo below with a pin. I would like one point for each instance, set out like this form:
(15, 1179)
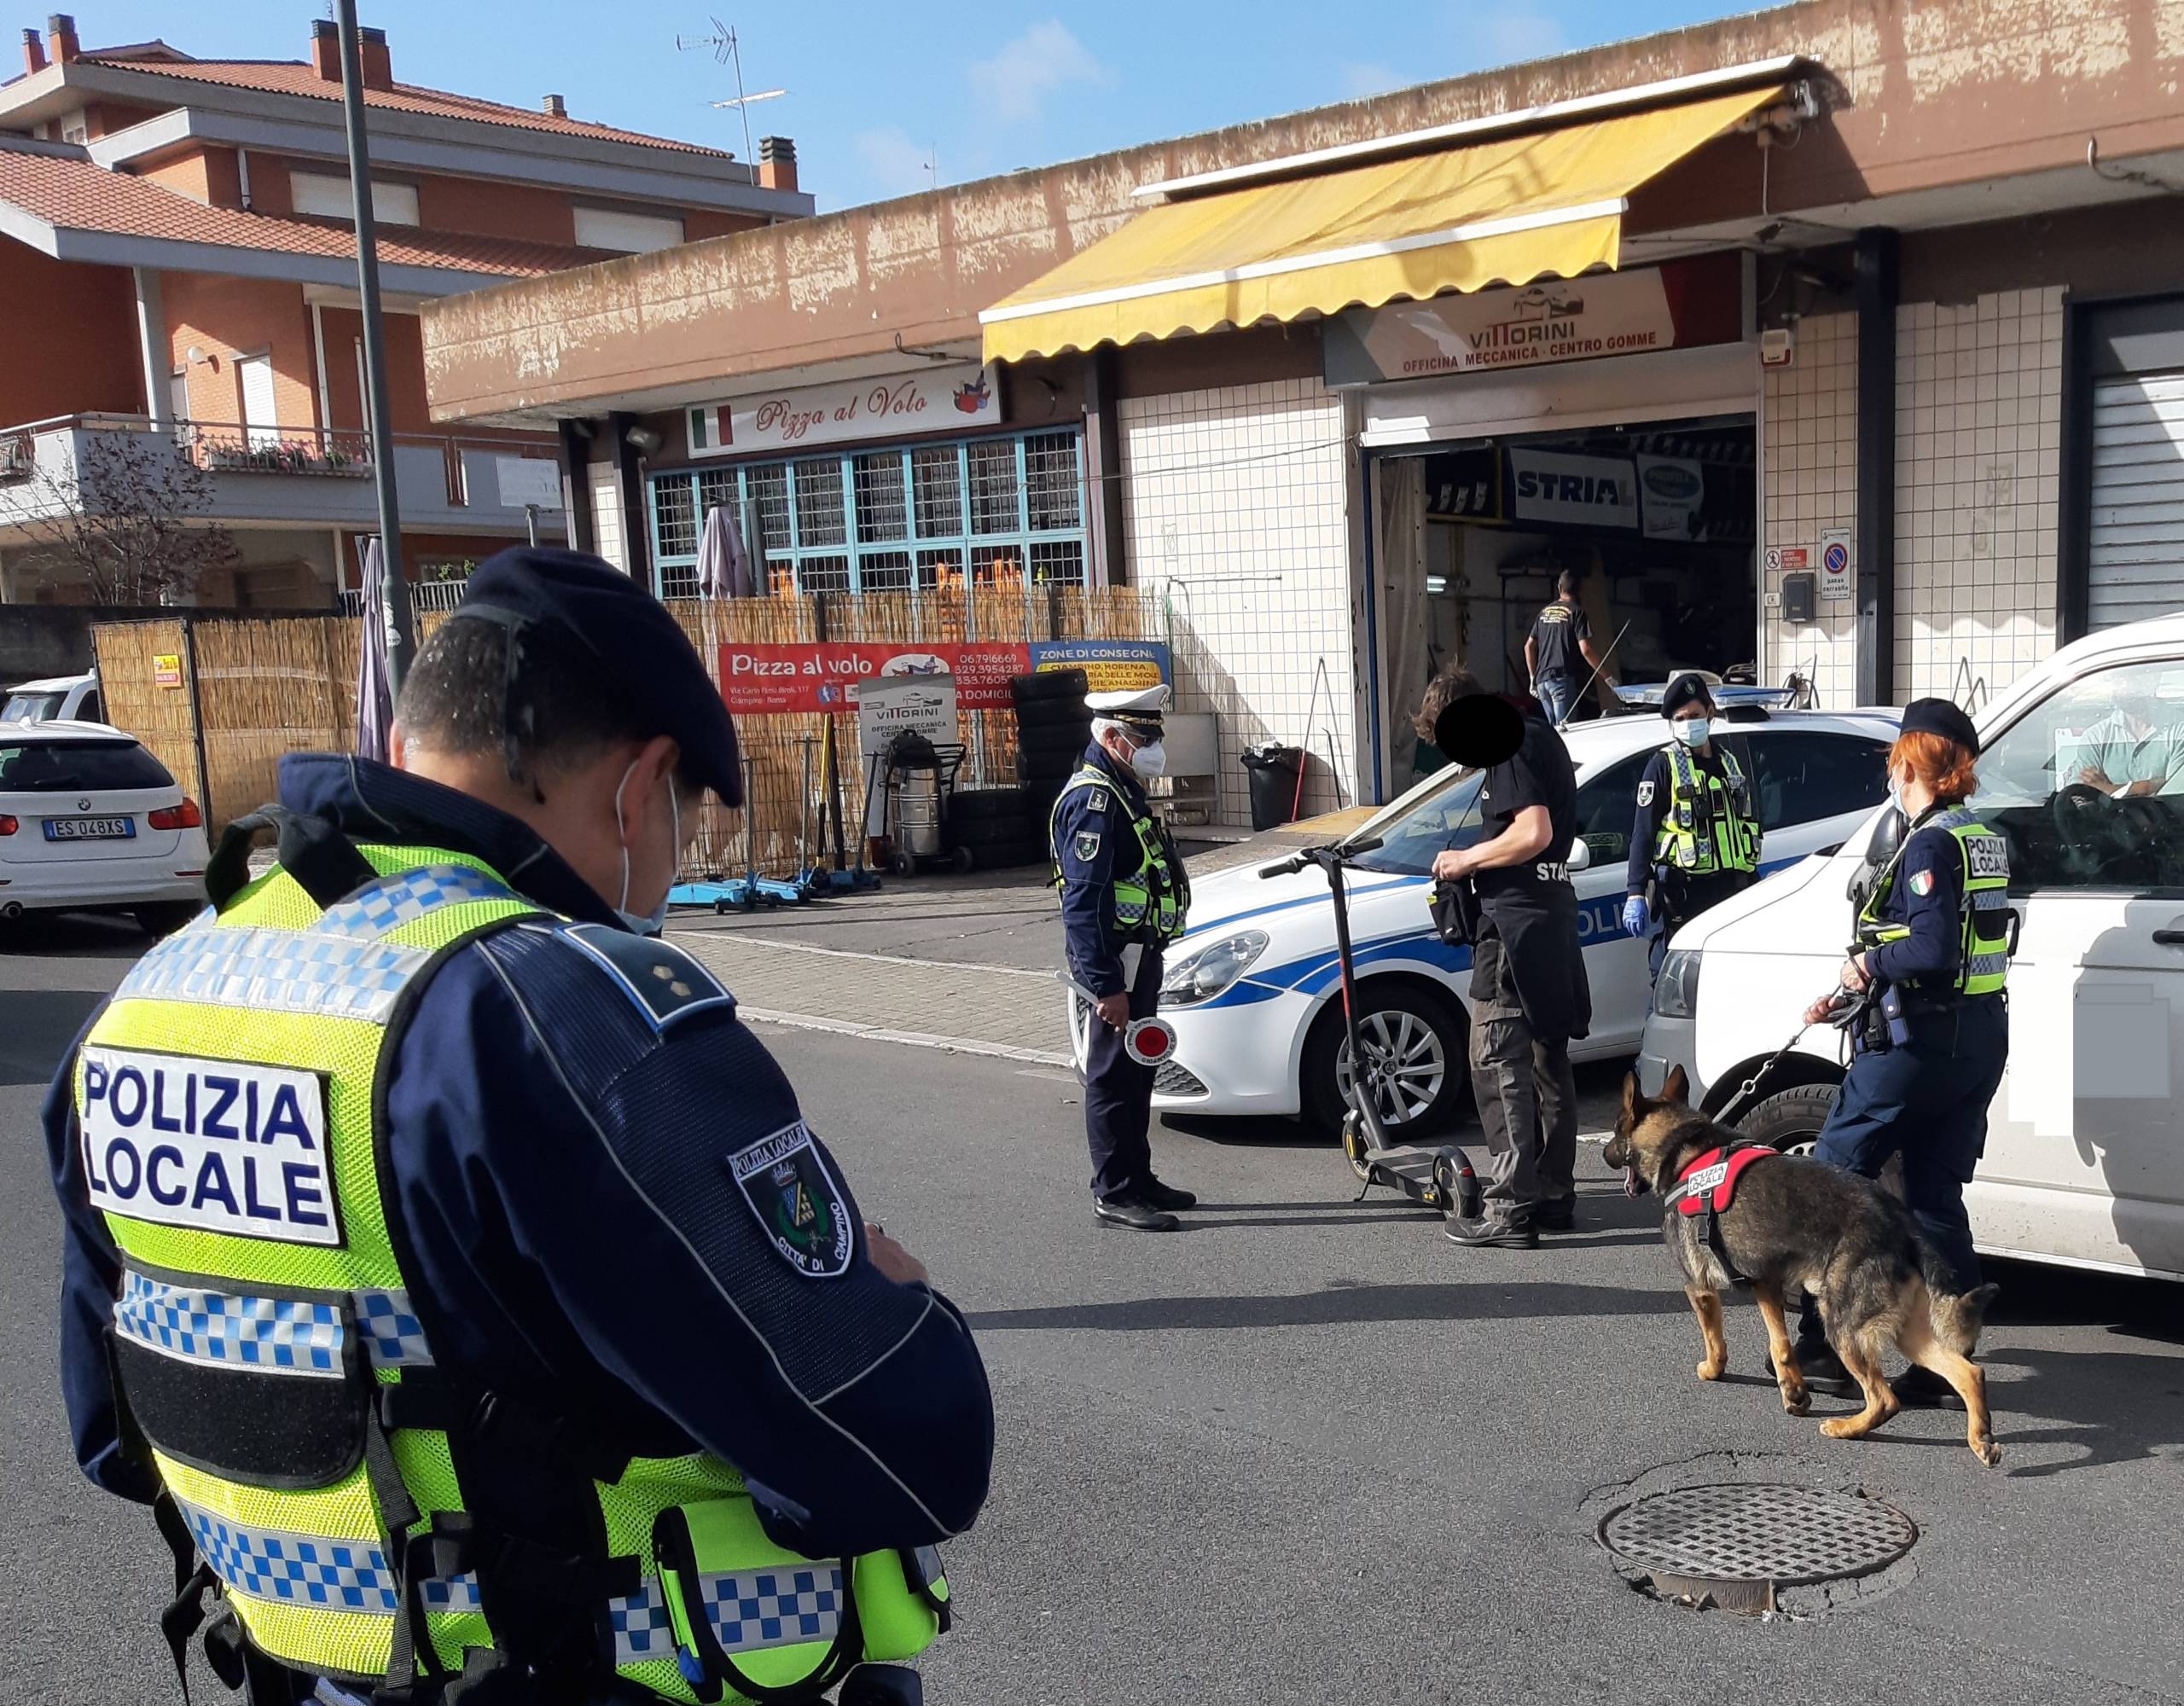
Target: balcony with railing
(307, 477)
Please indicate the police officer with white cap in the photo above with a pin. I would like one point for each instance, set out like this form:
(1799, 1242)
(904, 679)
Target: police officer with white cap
(442, 1252)
(1124, 898)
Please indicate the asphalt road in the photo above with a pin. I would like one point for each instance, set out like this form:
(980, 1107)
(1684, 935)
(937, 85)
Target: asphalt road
(1305, 1450)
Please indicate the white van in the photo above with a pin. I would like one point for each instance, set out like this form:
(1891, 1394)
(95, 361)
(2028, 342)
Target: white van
(2084, 771)
(58, 699)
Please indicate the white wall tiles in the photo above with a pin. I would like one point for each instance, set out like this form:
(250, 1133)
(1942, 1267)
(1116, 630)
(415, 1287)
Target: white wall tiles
(1809, 428)
(1978, 432)
(1234, 508)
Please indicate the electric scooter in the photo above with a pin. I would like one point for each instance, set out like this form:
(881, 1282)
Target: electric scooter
(1436, 1176)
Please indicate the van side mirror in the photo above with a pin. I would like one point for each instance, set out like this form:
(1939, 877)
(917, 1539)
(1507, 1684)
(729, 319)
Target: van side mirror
(1881, 847)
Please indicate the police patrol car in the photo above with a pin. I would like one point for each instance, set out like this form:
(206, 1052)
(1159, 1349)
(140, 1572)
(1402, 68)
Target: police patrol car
(1251, 987)
(2081, 774)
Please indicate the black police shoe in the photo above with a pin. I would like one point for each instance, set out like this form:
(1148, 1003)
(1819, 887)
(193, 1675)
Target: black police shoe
(1134, 1212)
(1492, 1234)
(1921, 1389)
(1160, 1196)
(1556, 1214)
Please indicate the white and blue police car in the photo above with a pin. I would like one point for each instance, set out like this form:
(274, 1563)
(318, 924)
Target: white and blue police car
(1252, 988)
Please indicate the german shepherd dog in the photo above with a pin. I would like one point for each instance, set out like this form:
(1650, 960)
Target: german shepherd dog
(1792, 1223)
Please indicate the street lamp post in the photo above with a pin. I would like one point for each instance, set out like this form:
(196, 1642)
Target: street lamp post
(401, 641)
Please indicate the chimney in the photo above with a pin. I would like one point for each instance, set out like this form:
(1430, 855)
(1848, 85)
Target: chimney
(61, 42)
(553, 107)
(371, 53)
(33, 54)
(776, 163)
(379, 68)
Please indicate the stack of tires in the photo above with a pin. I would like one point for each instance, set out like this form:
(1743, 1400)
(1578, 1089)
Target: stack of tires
(1052, 730)
(989, 828)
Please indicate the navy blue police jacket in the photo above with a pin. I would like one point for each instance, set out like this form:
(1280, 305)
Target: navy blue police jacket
(1926, 898)
(529, 1092)
(1092, 831)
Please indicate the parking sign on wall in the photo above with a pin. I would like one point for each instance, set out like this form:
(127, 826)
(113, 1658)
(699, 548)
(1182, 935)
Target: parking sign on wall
(1835, 562)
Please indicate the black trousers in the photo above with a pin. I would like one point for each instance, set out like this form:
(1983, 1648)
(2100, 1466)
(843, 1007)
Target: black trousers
(1118, 1095)
(1527, 1099)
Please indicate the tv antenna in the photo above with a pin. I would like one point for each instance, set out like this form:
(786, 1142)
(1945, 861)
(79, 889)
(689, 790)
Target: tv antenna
(727, 50)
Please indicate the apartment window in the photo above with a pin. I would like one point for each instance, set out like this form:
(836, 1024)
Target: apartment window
(261, 422)
(72, 129)
(629, 234)
(327, 198)
(1001, 508)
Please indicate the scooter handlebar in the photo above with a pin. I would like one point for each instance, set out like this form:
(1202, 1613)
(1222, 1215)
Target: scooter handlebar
(1322, 857)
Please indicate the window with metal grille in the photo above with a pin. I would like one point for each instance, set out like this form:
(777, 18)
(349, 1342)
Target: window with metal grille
(1003, 509)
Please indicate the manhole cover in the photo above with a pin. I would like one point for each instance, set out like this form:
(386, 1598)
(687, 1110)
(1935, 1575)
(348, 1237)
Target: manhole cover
(1755, 1535)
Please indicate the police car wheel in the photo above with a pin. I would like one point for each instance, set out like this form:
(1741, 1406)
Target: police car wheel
(1790, 1120)
(1415, 1042)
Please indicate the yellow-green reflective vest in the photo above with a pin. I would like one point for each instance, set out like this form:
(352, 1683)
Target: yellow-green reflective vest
(1982, 961)
(1708, 824)
(264, 1336)
(1152, 900)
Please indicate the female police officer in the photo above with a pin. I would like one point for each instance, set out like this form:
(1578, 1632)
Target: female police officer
(1695, 840)
(1933, 951)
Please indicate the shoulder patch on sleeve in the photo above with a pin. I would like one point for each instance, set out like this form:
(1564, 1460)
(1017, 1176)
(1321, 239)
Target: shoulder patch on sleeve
(666, 985)
(1922, 883)
(1087, 845)
(788, 1184)
(1646, 792)
(1095, 799)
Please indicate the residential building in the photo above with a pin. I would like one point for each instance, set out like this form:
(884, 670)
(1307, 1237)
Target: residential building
(1842, 340)
(179, 265)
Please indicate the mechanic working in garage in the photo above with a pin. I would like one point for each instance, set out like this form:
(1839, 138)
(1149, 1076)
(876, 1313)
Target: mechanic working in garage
(1695, 840)
(1934, 939)
(1559, 644)
(1529, 993)
(441, 1249)
(1124, 898)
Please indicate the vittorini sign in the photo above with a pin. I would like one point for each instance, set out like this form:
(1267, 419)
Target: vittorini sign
(1679, 305)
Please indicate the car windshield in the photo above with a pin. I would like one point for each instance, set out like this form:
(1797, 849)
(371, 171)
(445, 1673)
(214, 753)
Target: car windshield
(1441, 811)
(31, 707)
(39, 767)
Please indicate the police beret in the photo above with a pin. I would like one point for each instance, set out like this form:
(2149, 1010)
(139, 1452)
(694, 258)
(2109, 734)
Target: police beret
(643, 653)
(1686, 687)
(1939, 716)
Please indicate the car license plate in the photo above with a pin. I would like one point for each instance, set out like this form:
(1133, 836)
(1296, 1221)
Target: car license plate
(90, 828)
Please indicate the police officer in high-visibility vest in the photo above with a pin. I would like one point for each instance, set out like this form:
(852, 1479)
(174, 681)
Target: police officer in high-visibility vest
(1934, 937)
(1695, 840)
(1124, 898)
(449, 1269)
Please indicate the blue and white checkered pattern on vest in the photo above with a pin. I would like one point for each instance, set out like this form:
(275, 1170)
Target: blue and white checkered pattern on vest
(281, 1334)
(753, 1608)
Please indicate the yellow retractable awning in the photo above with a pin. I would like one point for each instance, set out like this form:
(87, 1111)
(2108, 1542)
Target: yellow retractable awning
(1499, 212)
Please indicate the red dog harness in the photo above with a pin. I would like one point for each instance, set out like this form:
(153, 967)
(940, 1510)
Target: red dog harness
(1706, 1187)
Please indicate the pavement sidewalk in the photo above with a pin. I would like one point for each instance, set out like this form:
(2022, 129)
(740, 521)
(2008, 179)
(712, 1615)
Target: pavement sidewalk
(1011, 1012)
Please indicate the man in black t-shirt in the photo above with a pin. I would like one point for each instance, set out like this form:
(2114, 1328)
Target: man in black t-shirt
(1529, 993)
(1560, 637)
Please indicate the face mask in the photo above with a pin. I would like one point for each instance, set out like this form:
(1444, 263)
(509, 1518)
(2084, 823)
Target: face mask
(1150, 760)
(1692, 731)
(1896, 796)
(651, 923)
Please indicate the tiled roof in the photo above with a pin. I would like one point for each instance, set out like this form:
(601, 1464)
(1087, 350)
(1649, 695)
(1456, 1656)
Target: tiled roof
(293, 77)
(80, 196)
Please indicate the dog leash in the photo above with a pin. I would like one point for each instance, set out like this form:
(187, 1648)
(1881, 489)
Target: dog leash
(1845, 1015)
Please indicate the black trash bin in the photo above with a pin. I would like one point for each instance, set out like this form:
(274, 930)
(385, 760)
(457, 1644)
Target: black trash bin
(1272, 771)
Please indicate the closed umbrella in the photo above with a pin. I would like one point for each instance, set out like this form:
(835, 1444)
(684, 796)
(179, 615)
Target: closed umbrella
(374, 701)
(724, 569)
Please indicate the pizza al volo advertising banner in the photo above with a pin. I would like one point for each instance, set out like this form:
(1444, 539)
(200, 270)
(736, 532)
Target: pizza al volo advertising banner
(1679, 305)
(775, 679)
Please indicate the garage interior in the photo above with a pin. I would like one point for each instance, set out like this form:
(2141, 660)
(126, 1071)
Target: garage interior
(1659, 520)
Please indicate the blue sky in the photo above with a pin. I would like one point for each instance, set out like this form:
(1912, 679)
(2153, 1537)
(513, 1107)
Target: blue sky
(878, 94)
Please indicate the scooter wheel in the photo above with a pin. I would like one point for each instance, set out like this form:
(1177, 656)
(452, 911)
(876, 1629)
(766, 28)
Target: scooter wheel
(1445, 1190)
(1353, 1149)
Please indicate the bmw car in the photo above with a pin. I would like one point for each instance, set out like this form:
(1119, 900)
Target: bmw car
(1252, 988)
